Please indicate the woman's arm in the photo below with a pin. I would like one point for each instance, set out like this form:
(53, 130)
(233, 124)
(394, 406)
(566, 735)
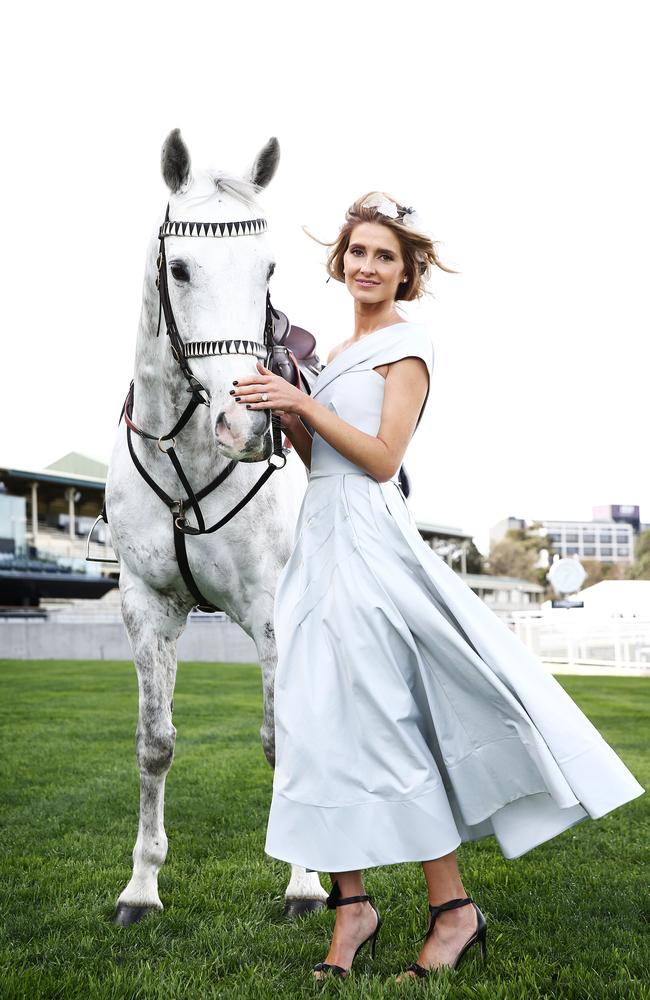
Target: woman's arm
(299, 436)
(381, 455)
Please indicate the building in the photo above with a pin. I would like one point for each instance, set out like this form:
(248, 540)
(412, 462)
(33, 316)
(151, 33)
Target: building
(608, 537)
(53, 508)
(505, 594)
(605, 541)
(448, 543)
(45, 516)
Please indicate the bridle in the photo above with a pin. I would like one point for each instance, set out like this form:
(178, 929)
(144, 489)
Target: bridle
(182, 351)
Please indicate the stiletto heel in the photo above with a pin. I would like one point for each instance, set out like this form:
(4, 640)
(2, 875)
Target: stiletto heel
(483, 940)
(479, 935)
(333, 900)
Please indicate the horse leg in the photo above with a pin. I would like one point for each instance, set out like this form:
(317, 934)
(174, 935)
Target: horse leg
(154, 623)
(304, 894)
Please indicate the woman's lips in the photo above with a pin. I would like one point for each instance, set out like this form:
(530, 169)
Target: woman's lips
(366, 284)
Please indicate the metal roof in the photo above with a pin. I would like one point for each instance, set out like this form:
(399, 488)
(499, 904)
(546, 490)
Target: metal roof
(53, 478)
(76, 464)
(443, 530)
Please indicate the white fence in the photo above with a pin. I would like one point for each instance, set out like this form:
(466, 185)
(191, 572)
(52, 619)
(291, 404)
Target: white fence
(565, 640)
(570, 640)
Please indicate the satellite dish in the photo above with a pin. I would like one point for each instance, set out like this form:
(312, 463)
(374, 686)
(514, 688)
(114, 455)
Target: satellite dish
(566, 575)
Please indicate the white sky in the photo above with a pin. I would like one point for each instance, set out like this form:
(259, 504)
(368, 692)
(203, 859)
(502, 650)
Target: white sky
(518, 131)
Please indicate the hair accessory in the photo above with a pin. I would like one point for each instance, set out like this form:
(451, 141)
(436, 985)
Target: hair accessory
(386, 206)
(410, 218)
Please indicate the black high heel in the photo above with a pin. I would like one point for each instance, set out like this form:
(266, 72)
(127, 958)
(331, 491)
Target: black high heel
(479, 935)
(334, 900)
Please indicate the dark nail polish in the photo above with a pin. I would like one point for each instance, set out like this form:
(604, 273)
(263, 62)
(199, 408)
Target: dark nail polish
(237, 398)
(232, 392)
(234, 382)
(248, 406)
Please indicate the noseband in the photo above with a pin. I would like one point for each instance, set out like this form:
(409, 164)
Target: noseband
(182, 352)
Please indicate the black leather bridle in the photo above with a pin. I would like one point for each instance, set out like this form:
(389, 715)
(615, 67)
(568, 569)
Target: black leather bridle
(182, 350)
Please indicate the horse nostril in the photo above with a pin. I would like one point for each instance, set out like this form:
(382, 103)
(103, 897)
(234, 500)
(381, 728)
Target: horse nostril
(223, 419)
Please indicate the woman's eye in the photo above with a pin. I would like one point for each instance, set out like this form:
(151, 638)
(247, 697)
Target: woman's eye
(179, 270)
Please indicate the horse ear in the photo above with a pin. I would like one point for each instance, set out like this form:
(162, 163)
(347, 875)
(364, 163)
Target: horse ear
(175, 162)
(266, 162)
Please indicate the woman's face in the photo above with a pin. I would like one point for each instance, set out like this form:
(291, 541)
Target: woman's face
(373, 263)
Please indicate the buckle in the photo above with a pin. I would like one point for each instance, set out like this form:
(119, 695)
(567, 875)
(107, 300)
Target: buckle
(279, 461)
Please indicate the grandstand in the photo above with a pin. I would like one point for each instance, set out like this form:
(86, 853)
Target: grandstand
(45, 516)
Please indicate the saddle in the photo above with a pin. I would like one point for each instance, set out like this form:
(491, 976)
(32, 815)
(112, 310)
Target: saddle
(293, 354)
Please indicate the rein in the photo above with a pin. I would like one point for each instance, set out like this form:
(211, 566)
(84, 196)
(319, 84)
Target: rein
(199, 395)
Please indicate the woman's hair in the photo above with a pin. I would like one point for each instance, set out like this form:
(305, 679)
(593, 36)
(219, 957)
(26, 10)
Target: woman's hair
(418, 250)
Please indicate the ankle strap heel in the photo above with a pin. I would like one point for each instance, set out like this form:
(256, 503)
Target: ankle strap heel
(335, 899)
(478, 936)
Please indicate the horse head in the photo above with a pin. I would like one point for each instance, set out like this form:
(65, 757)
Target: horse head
(217, 287)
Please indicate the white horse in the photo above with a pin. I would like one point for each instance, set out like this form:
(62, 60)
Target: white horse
(217, 289)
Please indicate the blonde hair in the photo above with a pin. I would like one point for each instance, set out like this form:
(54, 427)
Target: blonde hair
(418, 250)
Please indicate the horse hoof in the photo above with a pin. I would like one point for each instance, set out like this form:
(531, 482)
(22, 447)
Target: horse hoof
(295, 907)
(125, 915)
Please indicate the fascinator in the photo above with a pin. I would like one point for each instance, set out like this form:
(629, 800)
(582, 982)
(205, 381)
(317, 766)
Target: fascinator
(392, 210)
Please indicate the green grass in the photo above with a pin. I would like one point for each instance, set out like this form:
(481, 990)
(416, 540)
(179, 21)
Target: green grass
(568, 920)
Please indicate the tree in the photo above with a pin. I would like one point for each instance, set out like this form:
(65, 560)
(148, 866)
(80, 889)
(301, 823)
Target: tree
(640, 568)
(509, 557)
(597, 571)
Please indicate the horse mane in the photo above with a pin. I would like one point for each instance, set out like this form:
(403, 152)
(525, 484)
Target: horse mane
(239, 187)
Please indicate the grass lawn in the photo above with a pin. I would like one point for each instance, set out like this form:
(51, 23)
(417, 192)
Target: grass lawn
(568, 920)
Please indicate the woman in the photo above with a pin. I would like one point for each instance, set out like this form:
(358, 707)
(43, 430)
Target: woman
(409, 718)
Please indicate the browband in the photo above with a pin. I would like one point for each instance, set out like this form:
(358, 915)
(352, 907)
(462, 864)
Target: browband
(245, 227)
(207, 348)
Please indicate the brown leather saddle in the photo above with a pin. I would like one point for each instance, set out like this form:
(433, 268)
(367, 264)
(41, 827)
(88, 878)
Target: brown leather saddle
(294, 353)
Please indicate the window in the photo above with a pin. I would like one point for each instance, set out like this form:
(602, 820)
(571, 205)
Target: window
(571, 549)
(589, 550)
(607, 551)
(589, 537)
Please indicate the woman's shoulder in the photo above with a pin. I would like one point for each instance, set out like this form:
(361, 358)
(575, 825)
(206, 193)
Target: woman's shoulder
(406, 339)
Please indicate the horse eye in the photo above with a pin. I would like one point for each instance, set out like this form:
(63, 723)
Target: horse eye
(180, 271)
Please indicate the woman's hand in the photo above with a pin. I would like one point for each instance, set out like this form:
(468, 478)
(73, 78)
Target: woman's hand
(281, 395)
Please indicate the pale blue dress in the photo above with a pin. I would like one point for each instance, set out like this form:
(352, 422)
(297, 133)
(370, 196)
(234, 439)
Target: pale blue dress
(409, 718)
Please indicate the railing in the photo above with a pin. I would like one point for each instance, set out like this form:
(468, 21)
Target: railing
(584, 642)
(112, 616)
